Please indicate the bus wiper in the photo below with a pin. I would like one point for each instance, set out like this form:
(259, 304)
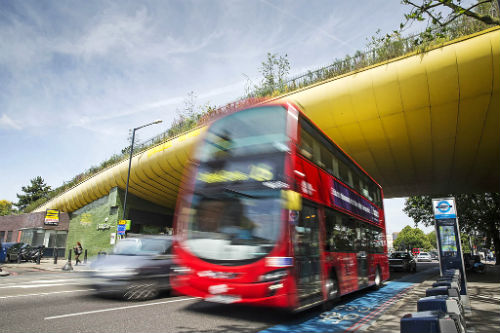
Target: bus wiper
(239, 193)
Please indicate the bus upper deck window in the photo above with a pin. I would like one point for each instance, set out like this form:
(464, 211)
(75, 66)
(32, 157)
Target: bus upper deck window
(306, 144)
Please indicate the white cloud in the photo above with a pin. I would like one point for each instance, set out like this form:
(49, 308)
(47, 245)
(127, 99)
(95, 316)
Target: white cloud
(7, 123)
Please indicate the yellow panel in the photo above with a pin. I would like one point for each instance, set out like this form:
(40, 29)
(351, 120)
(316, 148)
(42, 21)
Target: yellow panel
(386, 90)
(413, 83)
(363, 97)
(353, 134)
(442, 75)
(495, 51)
(475, 67)
(396, 132)
(469, 129)
(443, 127)
(342, 110)
(419, 131)
(487, 161)
(374, 135)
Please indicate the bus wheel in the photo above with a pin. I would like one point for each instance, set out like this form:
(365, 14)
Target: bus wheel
(332, 292)
(378, 279)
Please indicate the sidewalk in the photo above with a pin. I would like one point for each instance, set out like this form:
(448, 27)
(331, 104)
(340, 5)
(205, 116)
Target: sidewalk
(484, 294)
(46, 264)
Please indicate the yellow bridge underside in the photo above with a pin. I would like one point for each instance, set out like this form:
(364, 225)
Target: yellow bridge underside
(420, 124)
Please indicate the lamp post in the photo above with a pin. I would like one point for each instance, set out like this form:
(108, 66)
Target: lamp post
(130, 162)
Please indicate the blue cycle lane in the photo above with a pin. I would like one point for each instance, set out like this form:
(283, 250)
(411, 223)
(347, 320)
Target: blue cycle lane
(352, 315)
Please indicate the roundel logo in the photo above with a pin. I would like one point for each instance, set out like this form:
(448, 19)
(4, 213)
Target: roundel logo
(443, 206)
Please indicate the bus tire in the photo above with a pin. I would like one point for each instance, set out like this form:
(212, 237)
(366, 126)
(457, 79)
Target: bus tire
(378, 279)
(332, 291)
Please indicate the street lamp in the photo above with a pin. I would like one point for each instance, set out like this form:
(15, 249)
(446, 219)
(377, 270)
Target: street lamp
(130, 161)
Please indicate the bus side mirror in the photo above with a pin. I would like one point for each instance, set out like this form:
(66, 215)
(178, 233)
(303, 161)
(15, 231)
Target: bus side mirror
(291, 200)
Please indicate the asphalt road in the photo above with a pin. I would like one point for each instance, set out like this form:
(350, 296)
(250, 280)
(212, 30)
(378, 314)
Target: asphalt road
(61, 302)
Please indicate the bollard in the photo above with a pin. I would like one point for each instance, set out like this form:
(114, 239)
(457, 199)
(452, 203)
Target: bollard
(38, 257)
(19, 256)
(430, 322)
(67, 266)
(55, 255)
(85, 257)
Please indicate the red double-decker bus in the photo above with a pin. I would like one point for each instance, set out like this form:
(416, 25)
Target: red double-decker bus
(274, 213)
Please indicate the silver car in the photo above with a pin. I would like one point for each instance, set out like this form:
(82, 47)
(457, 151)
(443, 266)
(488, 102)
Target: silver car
(424, 256)
(137, 269)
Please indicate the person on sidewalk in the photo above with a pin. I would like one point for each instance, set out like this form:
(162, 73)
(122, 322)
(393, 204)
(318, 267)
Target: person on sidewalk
(78, 251)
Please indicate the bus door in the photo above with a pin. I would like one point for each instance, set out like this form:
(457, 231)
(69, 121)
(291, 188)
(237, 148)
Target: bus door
(361, 244)
(307, 256)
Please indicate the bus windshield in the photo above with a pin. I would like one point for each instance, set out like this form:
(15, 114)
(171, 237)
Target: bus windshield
(247, 132)
(233, 228)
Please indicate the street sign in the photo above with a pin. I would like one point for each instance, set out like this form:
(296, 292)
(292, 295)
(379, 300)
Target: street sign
(51, 217)
(127, 223)
(444, 208)
(120, 229)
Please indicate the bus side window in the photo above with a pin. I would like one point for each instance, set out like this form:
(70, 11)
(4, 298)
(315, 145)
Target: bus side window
(378, 241)
(335, 166)
(306, 144)
(350, 181)
(343, 173)
(326, 159)
(332, 232)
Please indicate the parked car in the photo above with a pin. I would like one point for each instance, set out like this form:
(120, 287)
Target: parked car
(137, 269)
(424, 256)
(434, 255)
(18, 249)
(402, 261)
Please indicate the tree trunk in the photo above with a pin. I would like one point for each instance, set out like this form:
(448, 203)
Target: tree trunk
(496, 244)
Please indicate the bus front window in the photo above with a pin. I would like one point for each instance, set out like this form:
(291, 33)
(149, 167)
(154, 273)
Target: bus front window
(233, 229)
(249, 132)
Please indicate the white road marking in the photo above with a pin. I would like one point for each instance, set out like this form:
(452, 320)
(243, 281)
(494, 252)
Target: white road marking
(24, 286)
(118, 308)
(46, 294)
(51, 281)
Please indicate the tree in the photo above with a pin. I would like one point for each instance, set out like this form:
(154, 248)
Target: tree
(477, 214)
(431, 237)
(5, 207)
(434, 10)
(274, 71)
(410, 238)
(38, 189)
(446, 16)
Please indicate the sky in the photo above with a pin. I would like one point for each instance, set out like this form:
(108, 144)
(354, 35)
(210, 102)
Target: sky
(75, 76)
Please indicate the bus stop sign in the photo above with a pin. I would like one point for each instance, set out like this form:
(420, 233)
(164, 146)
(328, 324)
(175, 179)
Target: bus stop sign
(444, 208)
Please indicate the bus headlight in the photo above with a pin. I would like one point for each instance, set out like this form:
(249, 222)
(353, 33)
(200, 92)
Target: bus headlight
(273, 275)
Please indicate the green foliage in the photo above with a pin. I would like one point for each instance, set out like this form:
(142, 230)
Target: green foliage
(447, 19)
(431, 237)
(33, 192)
(6, 208)
(274, 71)
(410, 238)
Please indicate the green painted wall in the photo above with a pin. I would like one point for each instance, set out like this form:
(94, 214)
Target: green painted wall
(104, 213)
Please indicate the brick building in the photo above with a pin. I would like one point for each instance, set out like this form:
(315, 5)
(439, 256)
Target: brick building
(32, 229)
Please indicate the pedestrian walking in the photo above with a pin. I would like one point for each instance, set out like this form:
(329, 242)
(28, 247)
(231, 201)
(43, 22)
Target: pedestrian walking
(78, 250)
